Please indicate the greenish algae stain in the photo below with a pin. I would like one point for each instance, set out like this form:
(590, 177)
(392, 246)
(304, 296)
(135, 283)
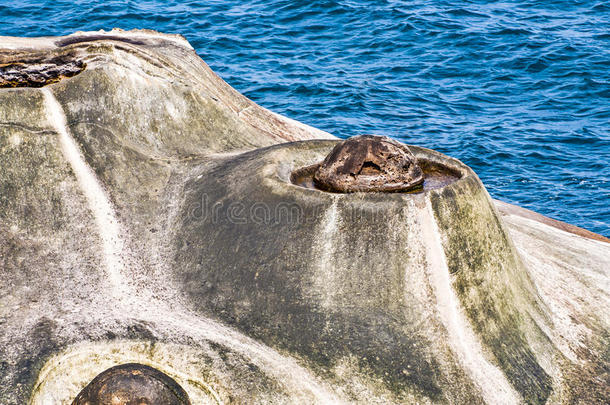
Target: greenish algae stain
(263, 288)
(482, 263)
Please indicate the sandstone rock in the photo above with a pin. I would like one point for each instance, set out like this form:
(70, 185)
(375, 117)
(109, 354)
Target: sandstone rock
(369, 163)
(37, 72)
(150, 214)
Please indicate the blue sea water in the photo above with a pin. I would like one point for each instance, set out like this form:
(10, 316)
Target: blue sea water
(518, 89)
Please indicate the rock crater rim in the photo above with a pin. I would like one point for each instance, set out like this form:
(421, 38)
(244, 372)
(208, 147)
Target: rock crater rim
(429, 170)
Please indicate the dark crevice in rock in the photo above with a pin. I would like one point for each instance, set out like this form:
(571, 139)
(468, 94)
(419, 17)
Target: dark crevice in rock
(38, 72)
(370, 168)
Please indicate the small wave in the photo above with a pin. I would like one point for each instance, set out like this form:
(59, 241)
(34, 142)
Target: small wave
(462, 12)
(512, 32)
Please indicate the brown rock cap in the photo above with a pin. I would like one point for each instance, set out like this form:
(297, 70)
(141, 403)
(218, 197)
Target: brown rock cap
(369, 163)
(132, 384)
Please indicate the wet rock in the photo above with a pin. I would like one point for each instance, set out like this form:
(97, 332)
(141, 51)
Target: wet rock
(369, 163)
(132, 384)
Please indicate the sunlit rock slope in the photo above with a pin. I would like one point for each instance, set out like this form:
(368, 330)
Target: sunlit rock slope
(151, 214)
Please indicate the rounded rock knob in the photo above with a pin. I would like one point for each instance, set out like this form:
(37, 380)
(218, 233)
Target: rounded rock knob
(132, 384)
(369, 163)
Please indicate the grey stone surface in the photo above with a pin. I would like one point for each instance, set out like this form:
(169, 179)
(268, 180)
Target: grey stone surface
(148, 215)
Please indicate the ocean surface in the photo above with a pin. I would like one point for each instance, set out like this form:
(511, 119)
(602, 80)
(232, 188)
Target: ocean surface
(518, 90)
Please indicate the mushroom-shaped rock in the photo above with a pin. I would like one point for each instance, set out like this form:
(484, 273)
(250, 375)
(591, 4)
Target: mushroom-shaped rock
(131, 384)
(364, 283)
(369, 163)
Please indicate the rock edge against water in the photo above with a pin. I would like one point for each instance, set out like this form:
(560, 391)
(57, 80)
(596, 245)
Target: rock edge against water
(147, 215)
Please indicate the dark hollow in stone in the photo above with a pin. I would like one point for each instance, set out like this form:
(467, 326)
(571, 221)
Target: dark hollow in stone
(369, 163)
(132, 384)
(38, 73)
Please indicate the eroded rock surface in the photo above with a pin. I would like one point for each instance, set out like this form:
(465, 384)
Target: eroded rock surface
(147, 215)
(30, 71)
(369, 163)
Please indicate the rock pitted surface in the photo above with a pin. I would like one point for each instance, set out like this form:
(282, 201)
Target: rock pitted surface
(369, 163)
(147, 215)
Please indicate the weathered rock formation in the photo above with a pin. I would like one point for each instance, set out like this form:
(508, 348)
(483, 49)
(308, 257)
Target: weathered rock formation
(368, 163)
(151, 214)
